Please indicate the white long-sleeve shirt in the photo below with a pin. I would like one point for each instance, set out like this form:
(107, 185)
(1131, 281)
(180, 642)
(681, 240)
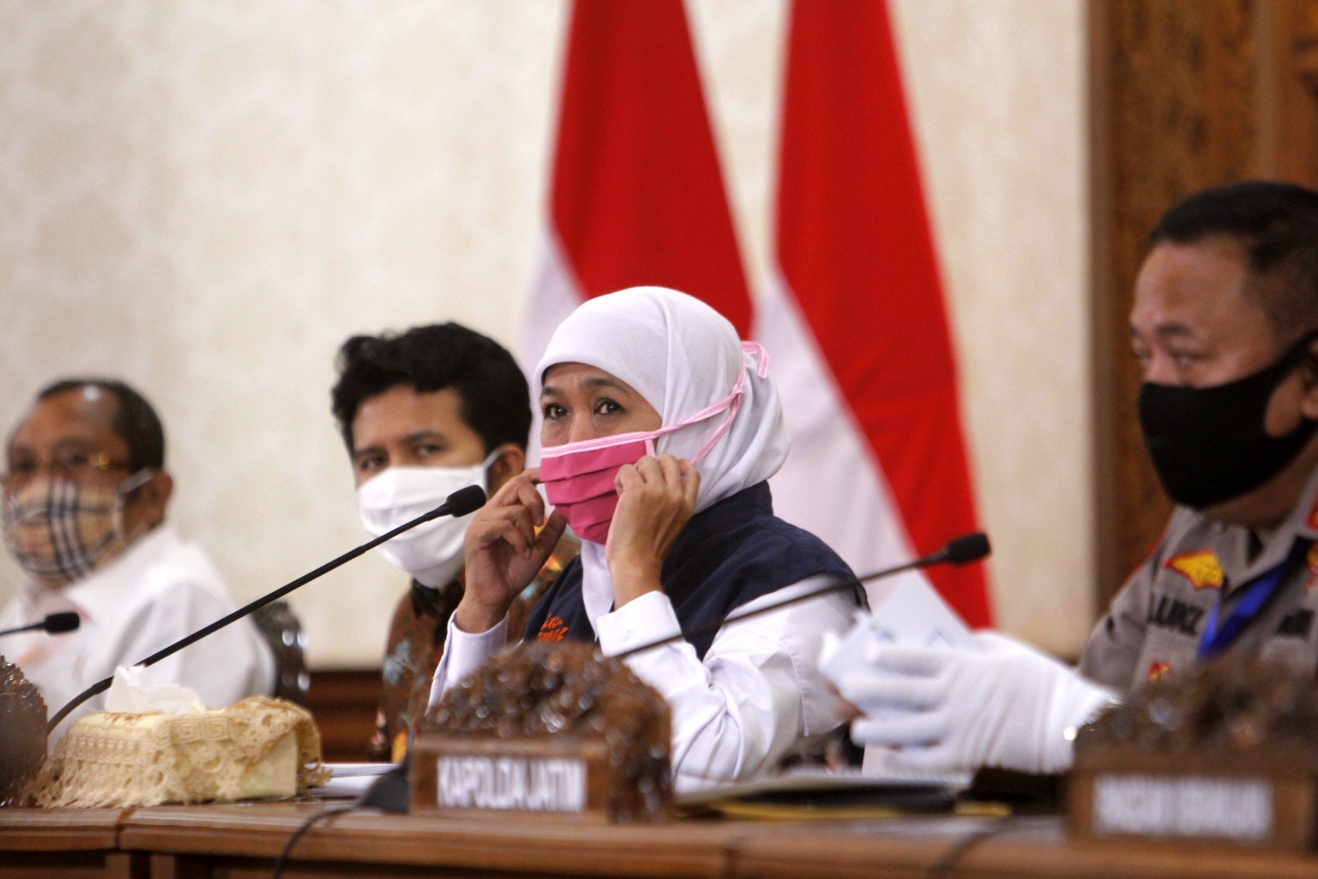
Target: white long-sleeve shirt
(161, 589)
(757, 697)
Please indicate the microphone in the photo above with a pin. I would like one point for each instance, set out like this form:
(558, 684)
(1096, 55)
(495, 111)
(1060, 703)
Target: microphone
(459, 503)
(957, 551)
(54, 623)
(960, 550)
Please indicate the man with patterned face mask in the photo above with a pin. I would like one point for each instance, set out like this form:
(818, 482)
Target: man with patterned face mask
(1225, 327)
(425, 413)
(83, 512)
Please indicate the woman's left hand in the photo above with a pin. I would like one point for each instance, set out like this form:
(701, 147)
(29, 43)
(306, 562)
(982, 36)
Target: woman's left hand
(656, 498)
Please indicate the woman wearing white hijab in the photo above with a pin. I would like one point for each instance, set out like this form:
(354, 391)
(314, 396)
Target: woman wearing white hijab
(660, 431)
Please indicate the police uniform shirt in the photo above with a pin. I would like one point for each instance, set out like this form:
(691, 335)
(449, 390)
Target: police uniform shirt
(1156, 622)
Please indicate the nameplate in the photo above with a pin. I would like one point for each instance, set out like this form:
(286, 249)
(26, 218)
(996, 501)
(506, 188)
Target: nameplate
(552, 777)
(531, 784)
(1239, 809)
(1261, 800)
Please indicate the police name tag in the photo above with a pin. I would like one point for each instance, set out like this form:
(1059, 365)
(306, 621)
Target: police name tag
(492, 777)
(1259, 800)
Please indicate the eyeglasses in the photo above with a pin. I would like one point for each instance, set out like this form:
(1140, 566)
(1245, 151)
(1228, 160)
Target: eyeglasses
(74, 465)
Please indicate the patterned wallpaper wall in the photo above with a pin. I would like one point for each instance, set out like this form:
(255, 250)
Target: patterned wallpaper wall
(207, 198)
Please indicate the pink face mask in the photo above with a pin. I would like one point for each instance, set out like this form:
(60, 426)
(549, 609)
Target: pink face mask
(580, 478)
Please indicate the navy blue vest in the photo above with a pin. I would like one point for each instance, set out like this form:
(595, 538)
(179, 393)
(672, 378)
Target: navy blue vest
(732, 553)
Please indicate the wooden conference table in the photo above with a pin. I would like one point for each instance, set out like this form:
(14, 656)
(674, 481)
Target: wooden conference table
(243, 841)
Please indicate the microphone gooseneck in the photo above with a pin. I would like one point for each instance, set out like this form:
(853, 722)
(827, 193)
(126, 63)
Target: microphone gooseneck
(459, 503)
(54, 623)
(958, 551)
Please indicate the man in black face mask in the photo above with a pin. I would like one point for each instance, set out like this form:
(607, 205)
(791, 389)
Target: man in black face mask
(1225, 325)
(1224, 320)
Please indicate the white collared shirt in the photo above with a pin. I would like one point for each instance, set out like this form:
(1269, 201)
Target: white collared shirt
(161, 589)
(757, 696)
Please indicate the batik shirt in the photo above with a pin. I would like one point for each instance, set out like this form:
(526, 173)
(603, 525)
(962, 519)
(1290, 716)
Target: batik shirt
(416, 642)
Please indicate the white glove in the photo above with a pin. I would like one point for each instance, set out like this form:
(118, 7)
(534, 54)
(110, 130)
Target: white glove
(947, 709)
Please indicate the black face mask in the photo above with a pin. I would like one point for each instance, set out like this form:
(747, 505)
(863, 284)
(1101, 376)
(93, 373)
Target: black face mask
(1208, 444)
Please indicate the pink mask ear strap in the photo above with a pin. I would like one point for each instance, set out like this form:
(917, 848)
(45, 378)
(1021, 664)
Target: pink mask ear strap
(722, 428)
(733, 402)
(756, 350)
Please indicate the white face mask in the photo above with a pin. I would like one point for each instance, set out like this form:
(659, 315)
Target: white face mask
(431, 552)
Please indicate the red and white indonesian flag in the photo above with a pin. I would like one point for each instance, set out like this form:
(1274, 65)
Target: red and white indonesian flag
(854, 318)
(637, 196)
(854, 321)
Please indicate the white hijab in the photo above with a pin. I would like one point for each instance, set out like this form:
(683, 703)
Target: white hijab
(681, 356)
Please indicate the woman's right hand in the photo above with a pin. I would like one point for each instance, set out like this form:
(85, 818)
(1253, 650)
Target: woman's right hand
(504, 552)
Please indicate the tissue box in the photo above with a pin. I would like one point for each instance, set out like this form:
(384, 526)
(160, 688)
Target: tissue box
(257, 749)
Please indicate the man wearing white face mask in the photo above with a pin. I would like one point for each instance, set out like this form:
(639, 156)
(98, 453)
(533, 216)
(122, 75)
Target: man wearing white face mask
(425, 413)
(85, 492)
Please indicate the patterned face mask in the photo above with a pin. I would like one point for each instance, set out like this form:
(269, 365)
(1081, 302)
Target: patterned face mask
(59, 530)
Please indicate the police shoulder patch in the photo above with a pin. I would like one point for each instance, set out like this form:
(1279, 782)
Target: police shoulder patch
(1200, 567)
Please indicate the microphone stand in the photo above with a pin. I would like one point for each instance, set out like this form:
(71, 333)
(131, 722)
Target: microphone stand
(958, 551)
(458, 503)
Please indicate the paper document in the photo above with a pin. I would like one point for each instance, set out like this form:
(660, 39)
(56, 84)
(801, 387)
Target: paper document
(906, 612)
(350, 780)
